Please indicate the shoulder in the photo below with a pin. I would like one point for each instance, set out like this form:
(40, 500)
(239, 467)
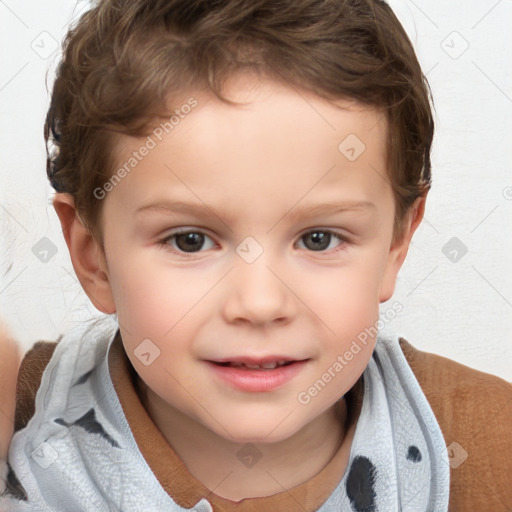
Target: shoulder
(29, 380)
(74, 354)
(474, 412)
(471, 390)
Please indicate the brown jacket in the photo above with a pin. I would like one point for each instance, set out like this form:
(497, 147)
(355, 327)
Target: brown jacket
(473, 409)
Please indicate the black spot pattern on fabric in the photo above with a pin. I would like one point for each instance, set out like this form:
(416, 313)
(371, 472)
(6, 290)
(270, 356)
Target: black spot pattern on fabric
(361, 485)
(83, 378)
(89, 422)
(414, 454)
(13, 486)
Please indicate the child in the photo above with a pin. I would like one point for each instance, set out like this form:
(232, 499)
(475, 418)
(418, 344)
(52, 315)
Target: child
(246, 373)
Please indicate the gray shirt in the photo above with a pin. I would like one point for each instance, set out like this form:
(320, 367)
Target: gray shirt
(77, 453)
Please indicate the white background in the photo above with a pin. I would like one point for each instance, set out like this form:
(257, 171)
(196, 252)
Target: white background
(459, 309)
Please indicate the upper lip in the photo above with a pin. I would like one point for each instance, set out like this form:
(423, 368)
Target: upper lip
(255, 360)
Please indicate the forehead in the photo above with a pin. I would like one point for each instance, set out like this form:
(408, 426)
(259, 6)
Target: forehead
(281, 140)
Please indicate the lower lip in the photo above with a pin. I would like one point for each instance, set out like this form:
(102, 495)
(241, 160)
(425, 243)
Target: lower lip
(257, 381)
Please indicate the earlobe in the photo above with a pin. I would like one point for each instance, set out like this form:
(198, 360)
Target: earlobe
(399, 249)
(86, 254)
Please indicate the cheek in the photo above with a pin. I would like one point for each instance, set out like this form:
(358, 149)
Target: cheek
(158, 301)
(147, 297)
(348, 294)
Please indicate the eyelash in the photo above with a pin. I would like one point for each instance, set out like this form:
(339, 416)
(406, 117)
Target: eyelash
(163, 243)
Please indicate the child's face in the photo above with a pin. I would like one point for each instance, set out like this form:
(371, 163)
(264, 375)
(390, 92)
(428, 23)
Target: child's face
(253, 283)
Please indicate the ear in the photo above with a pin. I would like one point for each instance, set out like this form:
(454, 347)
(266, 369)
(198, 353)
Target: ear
(87, 256)
(399, 248)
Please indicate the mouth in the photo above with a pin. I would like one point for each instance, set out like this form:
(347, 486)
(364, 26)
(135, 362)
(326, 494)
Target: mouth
(264, 366)
(257, 376)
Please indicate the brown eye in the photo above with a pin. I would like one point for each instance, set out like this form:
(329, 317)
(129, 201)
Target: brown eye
(190, 242)
(186, 241)
(320, 240)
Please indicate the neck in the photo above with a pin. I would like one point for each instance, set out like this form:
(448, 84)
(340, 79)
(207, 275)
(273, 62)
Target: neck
(248, 470)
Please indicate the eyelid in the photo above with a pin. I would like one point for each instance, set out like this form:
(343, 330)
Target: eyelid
(163, 242)
(326, 230)
(344, 240)
(182, 231)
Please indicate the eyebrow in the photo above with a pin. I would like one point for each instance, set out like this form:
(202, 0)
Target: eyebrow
(176, 207)
(331, 207)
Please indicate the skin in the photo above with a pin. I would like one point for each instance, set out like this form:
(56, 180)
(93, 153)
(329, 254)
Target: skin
(261, 162)
(10, 358)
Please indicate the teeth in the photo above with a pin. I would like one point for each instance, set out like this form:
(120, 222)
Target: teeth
(264, 366)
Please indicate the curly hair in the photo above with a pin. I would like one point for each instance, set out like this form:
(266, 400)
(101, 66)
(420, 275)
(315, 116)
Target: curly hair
(125, 60)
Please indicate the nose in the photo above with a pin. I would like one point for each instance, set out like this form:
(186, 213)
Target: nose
(257, 293)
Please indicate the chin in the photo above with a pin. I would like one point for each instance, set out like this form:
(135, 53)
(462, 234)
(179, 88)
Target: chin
(267, 431)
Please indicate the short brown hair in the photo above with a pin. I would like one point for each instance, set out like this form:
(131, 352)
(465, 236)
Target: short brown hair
(125, 58)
